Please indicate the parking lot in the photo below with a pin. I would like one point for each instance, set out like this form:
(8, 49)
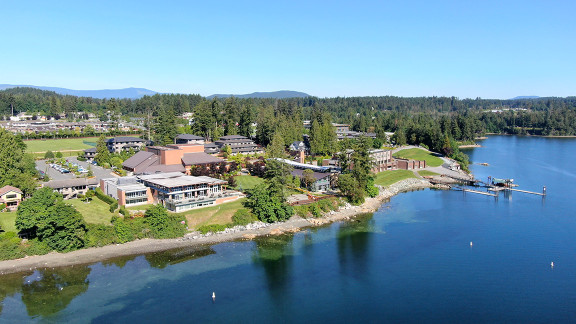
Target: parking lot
(54, 174)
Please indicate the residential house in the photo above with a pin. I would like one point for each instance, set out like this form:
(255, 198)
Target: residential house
(11, 197)
(90, 154)
(322, 179)
(71, 188)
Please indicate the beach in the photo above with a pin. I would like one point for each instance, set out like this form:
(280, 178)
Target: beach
(295, 224)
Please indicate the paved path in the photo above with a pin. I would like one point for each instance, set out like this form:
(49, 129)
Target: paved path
(99, 172)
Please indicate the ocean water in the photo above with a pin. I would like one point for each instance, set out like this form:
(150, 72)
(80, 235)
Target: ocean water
(409, 262)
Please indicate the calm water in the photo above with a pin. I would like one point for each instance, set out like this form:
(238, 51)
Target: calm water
(409, 262)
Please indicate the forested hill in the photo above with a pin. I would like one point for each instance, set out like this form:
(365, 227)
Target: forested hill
(539, 116)
(128, 93)
(283, 94)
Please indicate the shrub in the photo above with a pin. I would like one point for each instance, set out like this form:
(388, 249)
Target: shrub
(107, 199)
(101, 235)
(59, 155)
(213, 228)
(316, 211)
(302, 211)
(122, 229)
(243, 217)
(124, 211)
(113, 207)
(49, 155)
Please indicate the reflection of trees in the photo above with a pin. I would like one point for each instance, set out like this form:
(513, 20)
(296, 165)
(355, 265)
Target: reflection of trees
(120, 262)
(271, 254)
(54, 289)
(10, 284)
(162, 259)
(353, 243)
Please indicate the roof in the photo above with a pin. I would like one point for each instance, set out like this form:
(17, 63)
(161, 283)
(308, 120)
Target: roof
(231, 137)
(177, 179)
(122, 139)
(162, 168)
(7, 189)
(57, 184)
(318, 175)
(142, 157)
(199, 158)
(189, 137)
(90, 150)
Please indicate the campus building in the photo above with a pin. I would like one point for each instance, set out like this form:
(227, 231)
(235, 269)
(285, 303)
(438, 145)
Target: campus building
(11, 197)
(176, 191)
(71, 188)
(239, 144)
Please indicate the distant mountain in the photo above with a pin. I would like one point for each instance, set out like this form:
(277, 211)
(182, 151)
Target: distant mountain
(275, 94)
(128, 93)
(525, 97)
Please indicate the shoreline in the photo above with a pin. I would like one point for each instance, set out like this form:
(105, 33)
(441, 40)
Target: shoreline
(295, 224)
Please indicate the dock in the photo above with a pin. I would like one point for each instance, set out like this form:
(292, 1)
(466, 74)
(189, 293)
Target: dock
(480, 192)
(543, 193)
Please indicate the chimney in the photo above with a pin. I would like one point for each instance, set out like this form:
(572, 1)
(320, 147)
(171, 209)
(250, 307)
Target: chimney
(302, 156)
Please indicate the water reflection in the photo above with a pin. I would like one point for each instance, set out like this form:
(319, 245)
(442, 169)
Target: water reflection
(164, 258)
(45, 292)
(354, 241)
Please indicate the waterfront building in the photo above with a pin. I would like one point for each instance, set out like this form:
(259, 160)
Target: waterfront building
(71, 188)
(11, 197)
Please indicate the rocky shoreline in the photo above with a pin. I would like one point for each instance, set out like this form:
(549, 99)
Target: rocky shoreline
(247, 232)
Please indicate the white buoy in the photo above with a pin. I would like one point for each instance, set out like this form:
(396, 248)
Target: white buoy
(213, 296)
(552, 264)
(471, 243)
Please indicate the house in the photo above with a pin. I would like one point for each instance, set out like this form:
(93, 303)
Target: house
(239, 144)
(90, 154)
(299, 146)
(127, 190)
(179, 192)
(125, 143)
(322, 182)
(170, 158)
(71, 188)
(211, 148)
(11, 197)
(189, 139)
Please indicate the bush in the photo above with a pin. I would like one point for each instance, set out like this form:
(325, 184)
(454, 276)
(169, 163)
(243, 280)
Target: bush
(302, 211)
(315, 211)
(101, 235)
(59, 155)
(243, 217)
(124, 211)
(113, 207)
(49, 155)
(122, 229)
(107, 199)
(162, 225)
(213, 228)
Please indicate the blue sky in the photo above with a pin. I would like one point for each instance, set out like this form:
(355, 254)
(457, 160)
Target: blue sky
(468, 49)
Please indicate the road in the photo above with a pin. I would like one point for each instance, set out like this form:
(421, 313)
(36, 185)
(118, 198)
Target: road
(99, 172)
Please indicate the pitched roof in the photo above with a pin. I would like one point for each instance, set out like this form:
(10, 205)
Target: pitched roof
(141, 161)
(122, 139)
(199, 158)
(90, 150)
(161, 168)
(189, 137)
(318, 175)
(6, 189)
(57, 184)
(229, 137)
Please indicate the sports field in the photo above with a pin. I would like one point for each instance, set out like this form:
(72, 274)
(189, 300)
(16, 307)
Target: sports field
(62, 144)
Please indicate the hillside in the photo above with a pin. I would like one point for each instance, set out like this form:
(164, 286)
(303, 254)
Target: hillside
(282, 94)
(127, 93)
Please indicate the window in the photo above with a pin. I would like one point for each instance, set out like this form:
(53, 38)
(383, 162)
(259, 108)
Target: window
(11, 196)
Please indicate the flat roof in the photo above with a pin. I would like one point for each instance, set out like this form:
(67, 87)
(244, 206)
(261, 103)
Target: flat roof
(177, 179)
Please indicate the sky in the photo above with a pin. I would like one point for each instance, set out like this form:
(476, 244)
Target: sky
(468, 49)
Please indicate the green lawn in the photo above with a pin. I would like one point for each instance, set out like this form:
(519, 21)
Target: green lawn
(221, 214)
(95, 212)
(247, 181)
(420, 154)
(63, 144)
(427, 173)
(387, 178)
(7, 221)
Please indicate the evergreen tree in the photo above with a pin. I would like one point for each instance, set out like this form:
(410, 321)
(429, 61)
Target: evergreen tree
(276, 148)
(102, 154)
(165, 128)
(16, 167)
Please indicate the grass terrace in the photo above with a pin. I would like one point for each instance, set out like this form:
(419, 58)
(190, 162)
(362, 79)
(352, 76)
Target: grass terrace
(62, 144)
(425, 173)
(94, 212)
(387, 178)
(420, 154)
(7, 221)
(247, 181)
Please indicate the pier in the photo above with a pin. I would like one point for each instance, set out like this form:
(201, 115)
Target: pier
(543, 193)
